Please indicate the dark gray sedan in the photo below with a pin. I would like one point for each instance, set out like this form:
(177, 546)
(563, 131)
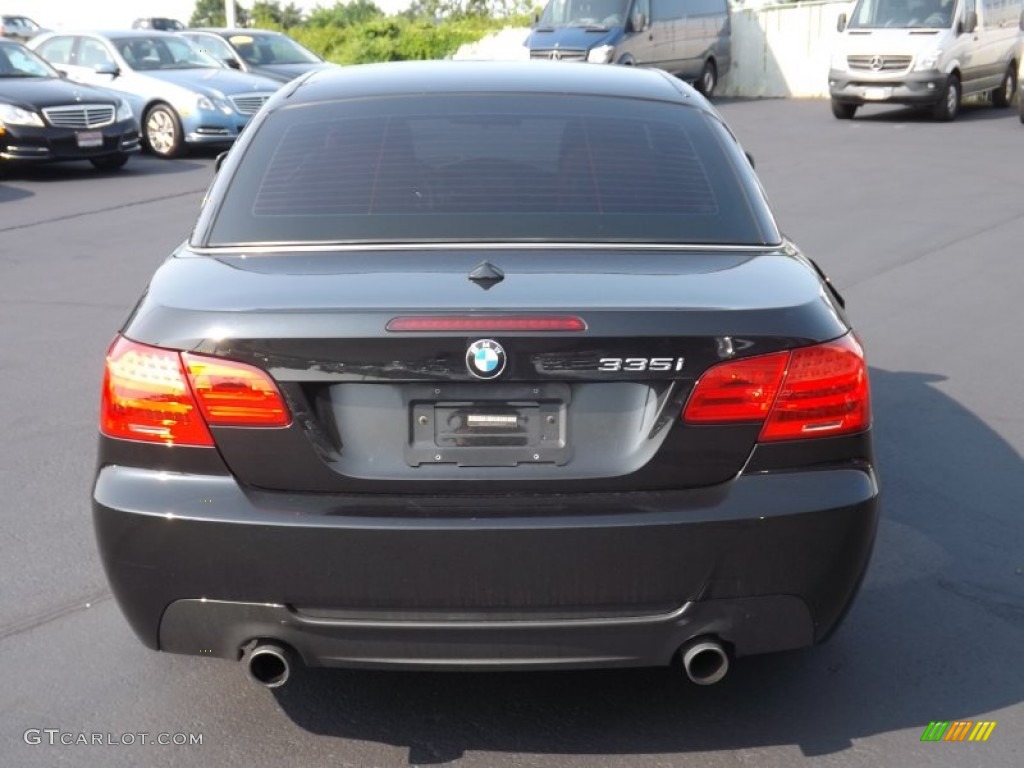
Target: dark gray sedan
(473, 366)
(258, 51)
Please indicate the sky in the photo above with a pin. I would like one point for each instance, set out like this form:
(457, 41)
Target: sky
(114, 14)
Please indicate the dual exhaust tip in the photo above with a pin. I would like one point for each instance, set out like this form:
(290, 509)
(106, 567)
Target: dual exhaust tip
(269, 664)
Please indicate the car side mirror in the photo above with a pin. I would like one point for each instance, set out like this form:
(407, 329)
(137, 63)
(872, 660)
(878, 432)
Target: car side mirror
(107, 68)
(233, 63)
(841, 22)
(536, 18)
(219, 161)
(639, 22)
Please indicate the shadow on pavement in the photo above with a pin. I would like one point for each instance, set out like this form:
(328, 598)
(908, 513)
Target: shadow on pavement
(969, 111)
(9, 194)
(935, 634)
(138, 165)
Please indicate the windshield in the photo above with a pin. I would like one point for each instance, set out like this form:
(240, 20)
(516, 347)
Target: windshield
(903, 14)
(449, 168)
(17, 61)
(147, 53)
(585, 13)
(260, 50)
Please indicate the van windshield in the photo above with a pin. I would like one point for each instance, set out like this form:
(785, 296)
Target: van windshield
(585, 13)
(903, 14)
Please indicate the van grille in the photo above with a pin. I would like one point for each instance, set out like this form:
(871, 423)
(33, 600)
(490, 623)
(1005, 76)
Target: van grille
(879, 63)
(80, 116)
(559, 54)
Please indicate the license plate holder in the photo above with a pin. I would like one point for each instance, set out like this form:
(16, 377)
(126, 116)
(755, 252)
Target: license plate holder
(877, 93)
(89, 139)
(488, 425)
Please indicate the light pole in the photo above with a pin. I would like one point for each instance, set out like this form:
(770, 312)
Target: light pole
(229, 13)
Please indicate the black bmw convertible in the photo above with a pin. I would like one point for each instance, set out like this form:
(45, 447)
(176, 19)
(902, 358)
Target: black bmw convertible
(44, 117)
(472, 366)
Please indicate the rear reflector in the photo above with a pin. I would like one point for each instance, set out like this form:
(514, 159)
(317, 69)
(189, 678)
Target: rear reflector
(487, 324)
(160, 396)
(816, 391)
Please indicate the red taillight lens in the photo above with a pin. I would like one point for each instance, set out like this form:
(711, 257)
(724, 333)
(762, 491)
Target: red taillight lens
(741, 390)
(814, 391)
(233, 394)
(485, 324)
(160, 396)
(825, 392)
(147, 397)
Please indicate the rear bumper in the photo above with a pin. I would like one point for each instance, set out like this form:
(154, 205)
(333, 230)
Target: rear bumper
(767, 562)
(909, 88)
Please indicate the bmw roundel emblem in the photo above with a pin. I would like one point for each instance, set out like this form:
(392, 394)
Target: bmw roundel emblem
(485, 359)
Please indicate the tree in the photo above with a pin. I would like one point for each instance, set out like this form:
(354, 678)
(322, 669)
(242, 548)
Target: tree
(210, 13)
(348, 14)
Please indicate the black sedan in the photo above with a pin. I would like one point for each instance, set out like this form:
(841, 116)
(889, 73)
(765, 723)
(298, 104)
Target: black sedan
(44, 117)
(257, 51)
(486, 366)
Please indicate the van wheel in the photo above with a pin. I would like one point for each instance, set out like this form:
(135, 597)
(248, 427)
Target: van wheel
(948, 105)
(1003, 95)
(708, 79)
(843, 110)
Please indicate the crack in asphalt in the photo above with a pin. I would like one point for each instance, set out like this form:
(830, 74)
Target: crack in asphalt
(32, 622)
(120, 206)
(937, 249)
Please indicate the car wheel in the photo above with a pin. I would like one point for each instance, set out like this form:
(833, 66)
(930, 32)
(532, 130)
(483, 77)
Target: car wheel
(1003, 95)
(162, 131)
(948, 105)
(109, 162)
(843, 111)
(708, 79)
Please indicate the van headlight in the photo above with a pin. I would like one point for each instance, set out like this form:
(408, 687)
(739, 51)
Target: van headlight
(928, 60)
(601, 54)
(838, 60)
(124, 112)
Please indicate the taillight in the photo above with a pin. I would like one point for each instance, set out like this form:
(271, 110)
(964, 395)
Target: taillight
(147, 397)
(160, 396)
(233, 394)
(815, 391)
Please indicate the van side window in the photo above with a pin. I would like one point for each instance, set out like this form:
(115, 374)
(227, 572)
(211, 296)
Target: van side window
(667, 10)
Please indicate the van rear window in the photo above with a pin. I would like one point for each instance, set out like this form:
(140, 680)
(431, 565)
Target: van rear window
(472, 167)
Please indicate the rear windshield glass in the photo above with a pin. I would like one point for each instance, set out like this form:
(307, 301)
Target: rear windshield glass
(489, 168)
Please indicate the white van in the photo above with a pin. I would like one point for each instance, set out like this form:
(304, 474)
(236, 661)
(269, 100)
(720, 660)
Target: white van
(925, 52)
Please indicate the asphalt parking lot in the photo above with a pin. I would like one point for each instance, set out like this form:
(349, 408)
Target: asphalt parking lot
(919, 224)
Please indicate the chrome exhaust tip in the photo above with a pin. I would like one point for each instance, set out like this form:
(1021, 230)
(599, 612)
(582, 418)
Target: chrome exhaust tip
(705, 661)
(268, 664)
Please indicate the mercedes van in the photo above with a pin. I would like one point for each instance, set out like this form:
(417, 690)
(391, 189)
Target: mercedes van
(689, 38)
(929, 53)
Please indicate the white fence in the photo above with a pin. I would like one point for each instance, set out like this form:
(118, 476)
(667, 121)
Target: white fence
(778, 50)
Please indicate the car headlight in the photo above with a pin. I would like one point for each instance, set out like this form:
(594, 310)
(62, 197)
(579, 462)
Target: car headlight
(124, 112)
(204, 102)
(928, 60)
(12, 115)
(838, 60)
(601, 54)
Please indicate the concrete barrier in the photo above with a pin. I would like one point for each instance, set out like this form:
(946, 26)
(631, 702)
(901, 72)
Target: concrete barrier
(783, 50)
(777, 50)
